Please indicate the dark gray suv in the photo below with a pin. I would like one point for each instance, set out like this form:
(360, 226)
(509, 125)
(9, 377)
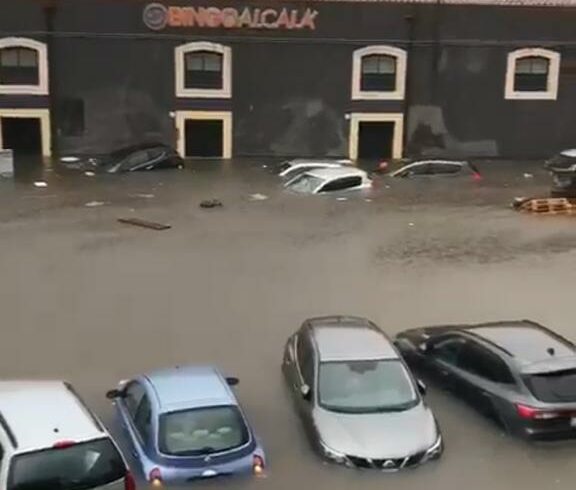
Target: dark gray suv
(518, 373)
(360, 405)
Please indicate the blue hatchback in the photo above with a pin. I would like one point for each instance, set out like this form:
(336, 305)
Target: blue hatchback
(185, 423)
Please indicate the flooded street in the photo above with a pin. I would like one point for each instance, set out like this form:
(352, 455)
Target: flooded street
(93, 301)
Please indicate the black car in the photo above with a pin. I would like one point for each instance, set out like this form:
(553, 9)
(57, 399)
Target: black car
(518, 373)
(149, 156)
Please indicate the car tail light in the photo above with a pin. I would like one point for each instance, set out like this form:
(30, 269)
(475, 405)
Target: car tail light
(258, 465)
(532, 413)
(476, 176)
(129, 482)
(63, 444)
(155, 477)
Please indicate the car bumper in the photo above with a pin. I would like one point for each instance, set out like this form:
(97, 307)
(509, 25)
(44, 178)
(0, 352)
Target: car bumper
(242, 466)
(553, 433)
(390, 464)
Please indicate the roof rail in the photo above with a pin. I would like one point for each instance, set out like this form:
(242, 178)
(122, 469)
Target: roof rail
(8, 431)
(83, 405)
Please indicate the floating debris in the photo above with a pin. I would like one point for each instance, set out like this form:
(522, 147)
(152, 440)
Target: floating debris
(145, 224)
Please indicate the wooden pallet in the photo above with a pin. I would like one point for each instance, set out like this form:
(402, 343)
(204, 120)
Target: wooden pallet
(550, 205)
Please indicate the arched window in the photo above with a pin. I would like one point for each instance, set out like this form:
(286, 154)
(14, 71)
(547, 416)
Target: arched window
(532, 74)
(23, 66)
(203, 69)
(378, 72)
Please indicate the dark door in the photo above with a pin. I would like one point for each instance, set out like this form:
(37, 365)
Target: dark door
(203, 138)
(22, 134)
(375, 140)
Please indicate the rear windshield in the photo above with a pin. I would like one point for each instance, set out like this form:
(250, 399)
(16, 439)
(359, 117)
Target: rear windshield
(202, 431)
(78, 467)
(556, 387)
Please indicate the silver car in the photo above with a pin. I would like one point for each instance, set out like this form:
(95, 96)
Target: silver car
(359, 403)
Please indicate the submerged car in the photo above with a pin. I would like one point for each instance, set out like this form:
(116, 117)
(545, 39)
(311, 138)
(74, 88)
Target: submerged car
(437, 168)
(563, 169)
(359, 404)
(325, 180)
(519, 373)
(185, 423)
(134, 158)
(291, 168)
(49, 439)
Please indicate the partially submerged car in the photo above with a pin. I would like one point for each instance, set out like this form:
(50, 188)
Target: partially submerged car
(563, 169)
(328, 180)
(185, 423)
(518, 373)
(437, 168)
(290, 168)
(359, 403)
(149, 156)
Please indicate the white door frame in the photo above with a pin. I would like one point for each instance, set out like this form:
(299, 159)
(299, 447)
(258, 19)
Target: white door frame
(397, 138)
(42, 114)
(224, 116)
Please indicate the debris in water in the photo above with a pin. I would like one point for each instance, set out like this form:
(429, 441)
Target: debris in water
(410, 224)
(143, 196)
(341, 198)
(145, 224)
(40, 184)
(528, 176)
(264, 166)
(211, 203)
(258, 197)
(69, 159)
(368, 200)
(94, 204)
(89, 174)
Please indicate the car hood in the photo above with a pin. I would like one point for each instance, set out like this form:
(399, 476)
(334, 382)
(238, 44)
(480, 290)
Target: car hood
(379, 435)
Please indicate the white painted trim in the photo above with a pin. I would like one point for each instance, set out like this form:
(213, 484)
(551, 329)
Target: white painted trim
(42, 114)
(553, 74)
(181, 91)
(357, 117)
(398, 93)
(224, 116)
(40, 48)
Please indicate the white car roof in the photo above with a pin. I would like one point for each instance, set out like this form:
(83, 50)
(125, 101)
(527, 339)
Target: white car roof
(39, 414)
(318, 161)
(336, 172)
(569, 153)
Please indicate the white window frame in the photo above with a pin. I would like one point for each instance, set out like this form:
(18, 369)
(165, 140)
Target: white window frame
(551, 93)
(397, 138)
(401, 60)
(43, 115)
(225, 116)
(42, 87)
(180, 52)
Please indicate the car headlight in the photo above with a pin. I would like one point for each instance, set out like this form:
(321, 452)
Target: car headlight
(435, 449)
(332, 455)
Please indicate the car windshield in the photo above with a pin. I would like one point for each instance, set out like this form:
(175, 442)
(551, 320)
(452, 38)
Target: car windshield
(77, 467)
(305, 183)
(365, 386)
(555, 387)
(202, 431)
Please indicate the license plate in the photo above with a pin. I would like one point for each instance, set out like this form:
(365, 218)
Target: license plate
(573, 422)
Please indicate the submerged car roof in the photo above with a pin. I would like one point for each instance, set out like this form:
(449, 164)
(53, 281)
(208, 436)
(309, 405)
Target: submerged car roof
(332, 173)
(319, 161)
(39, 414)
(533, 347)
(184, 387)
(350, 338)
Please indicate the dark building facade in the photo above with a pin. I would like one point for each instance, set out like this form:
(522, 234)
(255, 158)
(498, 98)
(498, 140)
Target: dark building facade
(219, 78)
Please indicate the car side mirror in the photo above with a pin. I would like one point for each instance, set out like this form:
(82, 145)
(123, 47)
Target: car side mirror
(421, 386)
(423, 348)
(232, 381)
(113, 394)
(306, 392)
